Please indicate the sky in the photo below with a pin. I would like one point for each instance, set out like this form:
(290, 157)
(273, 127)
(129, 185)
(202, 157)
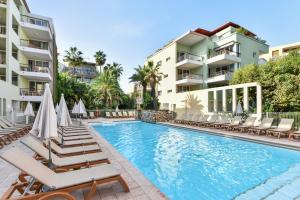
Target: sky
(130, 30)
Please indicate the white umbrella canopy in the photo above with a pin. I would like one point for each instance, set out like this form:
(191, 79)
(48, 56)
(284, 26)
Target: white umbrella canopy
(75, 108)
(45, 123)
(63, 116)
(117, 108)
(56, 107)
(239, 108)
(81, 108)
(28, 110)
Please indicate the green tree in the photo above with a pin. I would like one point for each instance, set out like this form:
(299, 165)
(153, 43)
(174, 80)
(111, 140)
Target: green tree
(153, 76)
(115, 69)
(140, 77)
(73, 57)
(100, 58)
(280, 81)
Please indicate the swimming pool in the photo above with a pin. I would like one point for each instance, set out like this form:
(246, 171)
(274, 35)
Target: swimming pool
(186, 164)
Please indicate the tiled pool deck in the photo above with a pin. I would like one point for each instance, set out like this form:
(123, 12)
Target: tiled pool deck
(140, 187)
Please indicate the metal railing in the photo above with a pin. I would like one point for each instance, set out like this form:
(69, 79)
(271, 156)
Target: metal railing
(223, 51)
(35, 21)
(29, 43)
(3, 2)
(2, 57)
(31, 92)
(189, 56)
(189, 76)
(27, 68)
(219, 73)
(2, 29)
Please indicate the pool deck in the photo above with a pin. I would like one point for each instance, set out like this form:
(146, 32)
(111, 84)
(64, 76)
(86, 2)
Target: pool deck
(140, 187)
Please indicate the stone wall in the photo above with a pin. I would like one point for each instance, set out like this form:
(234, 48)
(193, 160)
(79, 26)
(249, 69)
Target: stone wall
(155, 116)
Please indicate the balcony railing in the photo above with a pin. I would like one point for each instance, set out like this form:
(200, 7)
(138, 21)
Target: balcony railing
(3, 2)
(2, 29)
(189, 76)
(223, 51)
(31, 92)
(35, 21)
(2, 57)
(189, 57)
(219, 73)
(27, 68)
(35, 44)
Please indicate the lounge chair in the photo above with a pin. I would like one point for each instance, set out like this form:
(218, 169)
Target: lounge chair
(222, 121)
(210, 120)
(10, 124)
(60, 184)
(71, 151)
(295, 135)
(235, 122)
(114, 114)
(179, 118)
(78, 137)
(130, 113)
(266, 124)
(249, 123)
(74, 143)
(125, 114)
(284, 128)
(18, 131)
(71, 134)
(107, 115)
(71, 162)
(120, 114)
(193, 119)
(92, 115)
(201, 119)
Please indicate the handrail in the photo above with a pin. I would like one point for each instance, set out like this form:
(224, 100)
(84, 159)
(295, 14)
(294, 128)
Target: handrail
(223, 51)
(34, 20)
(31, 92)
(222, 72)
(2, 29)
(34, 68)
(189, 76)
(189, 56)
(27, 43)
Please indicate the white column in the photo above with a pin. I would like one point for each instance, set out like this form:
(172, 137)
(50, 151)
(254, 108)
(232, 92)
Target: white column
(259, 101)
(245, 98)
(224, 100)
(233, 100)
(215, 101)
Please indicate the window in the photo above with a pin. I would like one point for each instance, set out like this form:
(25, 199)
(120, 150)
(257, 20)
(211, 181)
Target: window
(229, 100)
(219, 100)
(166, 75)
(211, 101)
(275, 53)
(169, 91)
(183, 88)
(159, 63)
(4, 107)
(159, 93)
(167, 59)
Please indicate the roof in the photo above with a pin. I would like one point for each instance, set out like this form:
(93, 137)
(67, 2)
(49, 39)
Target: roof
(220, 28)
(26, 5)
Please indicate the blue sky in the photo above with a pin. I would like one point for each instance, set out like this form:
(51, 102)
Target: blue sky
(129, 30)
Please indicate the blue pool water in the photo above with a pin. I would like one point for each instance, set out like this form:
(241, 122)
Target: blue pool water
(186, 164)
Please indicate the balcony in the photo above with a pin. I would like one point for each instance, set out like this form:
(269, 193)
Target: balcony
(189, 79)
(36, 50)
(31, 95)
(2, 30)
(188, 61)
(223, 57)
(3, 3)
(36, 28)
(219, 76)
(36, 73)
(2, 57)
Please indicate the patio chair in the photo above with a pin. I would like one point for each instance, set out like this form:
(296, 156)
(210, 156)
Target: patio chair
(201, 119)
(18, 131)
(125, 114)
(60, 184)
(10, 124)
(74, 143)
(222, 121)
(71, 162)
(249, 123)
(179, 118)
(70, 151)
(295, 135)
(76, 137)
(120, 114)
(283, 129)
(114, 114)
(235, 122)
(85, 116)
(131, 113)
(108, 115)
(210, 120)
(193, 119)
(266, 124)
(92, 115)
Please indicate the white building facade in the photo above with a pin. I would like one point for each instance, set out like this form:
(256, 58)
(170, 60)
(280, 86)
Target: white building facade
(202, 61)
(27, 56)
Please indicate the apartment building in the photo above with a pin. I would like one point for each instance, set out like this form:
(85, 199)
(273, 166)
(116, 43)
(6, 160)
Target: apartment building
(85, 73)
(278, 51)
(203, 59)
(27, 56)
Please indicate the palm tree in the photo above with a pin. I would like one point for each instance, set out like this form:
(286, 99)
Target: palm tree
(139, 77)
(153, 77)
(108, 87)
(100, 59)
(73, 57)
(115, 68)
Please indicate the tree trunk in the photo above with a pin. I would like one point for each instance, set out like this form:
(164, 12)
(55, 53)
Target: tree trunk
(152, 84)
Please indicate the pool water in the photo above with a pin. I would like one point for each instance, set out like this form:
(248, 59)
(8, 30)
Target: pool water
(186, 164)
